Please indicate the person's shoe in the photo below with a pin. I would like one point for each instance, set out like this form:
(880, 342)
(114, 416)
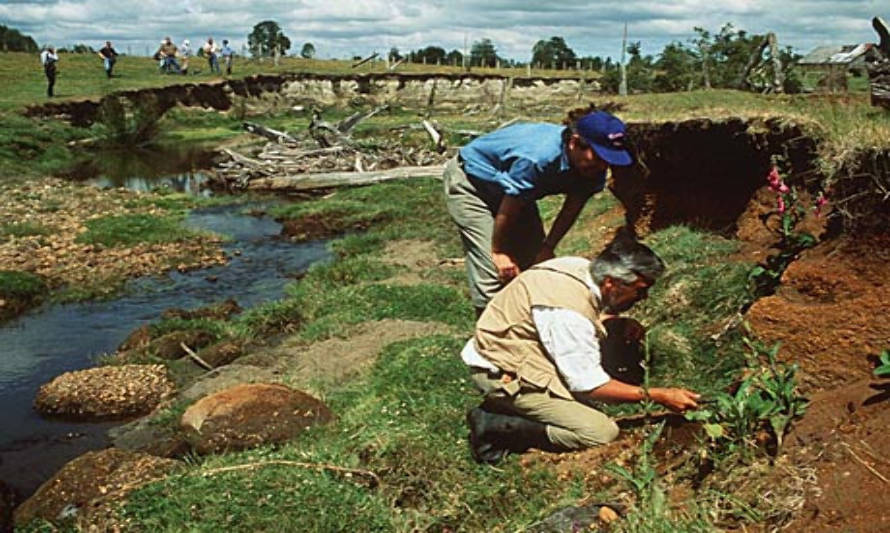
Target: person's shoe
(494, 435)
(483, 450)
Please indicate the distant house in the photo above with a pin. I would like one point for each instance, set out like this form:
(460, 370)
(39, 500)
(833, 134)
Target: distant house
(851, 55)
(834, 61)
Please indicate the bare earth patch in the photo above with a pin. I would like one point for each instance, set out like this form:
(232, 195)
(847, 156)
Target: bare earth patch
(336, 359)
(62, 208)
(413, 255)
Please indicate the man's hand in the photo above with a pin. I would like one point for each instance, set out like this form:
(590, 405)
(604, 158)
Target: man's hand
(675, 399)
(505, 265)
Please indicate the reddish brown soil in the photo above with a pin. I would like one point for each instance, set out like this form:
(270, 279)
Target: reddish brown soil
(845, 430)
(830, 312)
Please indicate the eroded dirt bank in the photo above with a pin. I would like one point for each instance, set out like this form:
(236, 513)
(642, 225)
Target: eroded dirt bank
(418, 90)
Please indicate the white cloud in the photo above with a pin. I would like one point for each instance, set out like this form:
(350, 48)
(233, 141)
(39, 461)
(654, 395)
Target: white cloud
(340, 28)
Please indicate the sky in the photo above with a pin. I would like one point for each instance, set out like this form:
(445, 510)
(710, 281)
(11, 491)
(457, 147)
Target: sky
(343, 29)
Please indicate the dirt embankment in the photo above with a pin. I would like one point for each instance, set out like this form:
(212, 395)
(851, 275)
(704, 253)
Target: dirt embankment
(829, 311)
(705, 173)
(417, 89)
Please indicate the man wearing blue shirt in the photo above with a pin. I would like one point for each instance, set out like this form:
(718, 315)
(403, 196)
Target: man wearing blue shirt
(492, 186)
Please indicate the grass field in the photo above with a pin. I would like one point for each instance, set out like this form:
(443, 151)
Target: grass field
(401, 417)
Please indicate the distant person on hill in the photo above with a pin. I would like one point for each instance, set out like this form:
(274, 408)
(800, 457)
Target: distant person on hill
(185, 52)
(167, 55)
(48, 59)
(493, 184)
(228, 54)
(549, 345)
(109, 57)
(211, 51)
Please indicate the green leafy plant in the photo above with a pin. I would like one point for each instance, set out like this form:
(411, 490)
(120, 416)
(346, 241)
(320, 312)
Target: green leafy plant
(766, 399)
(884, 368)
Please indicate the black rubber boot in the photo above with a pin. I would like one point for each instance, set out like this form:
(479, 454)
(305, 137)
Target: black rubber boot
(494, 435)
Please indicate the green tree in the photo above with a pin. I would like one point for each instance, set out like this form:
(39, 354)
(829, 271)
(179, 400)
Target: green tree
(455, 57)
(308, 51)
(265, 38)
(677, 69)
(82, 49)
(11, 40)
(429, 55)
(483, 54)
(394, 55)
(553, 52)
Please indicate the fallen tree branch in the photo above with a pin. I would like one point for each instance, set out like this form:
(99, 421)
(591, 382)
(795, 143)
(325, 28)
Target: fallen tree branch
(305, 182)
(195, 357)
(243, 159)
(269, 133)
(349, 123)
(434, 135)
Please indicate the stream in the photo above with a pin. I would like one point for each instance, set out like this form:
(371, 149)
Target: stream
(57, 338)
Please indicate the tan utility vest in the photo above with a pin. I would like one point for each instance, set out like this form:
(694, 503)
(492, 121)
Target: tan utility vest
(506, 333)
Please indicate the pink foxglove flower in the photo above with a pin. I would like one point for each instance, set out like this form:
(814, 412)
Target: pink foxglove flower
(781, 205)
(783, 189)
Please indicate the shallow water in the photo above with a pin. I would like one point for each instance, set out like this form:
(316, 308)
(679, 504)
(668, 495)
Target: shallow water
(53, 339)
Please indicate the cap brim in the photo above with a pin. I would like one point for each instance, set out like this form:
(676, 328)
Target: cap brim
(620, 158)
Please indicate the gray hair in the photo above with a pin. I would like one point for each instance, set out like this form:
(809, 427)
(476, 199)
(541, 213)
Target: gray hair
(624, 259)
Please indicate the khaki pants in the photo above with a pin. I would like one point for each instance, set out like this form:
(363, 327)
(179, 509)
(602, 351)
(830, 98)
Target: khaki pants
(571, 424)
(473, 210)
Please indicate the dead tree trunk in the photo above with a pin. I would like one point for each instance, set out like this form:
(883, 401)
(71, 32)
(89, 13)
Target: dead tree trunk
(879, 67)
(756, 57)
(307, 182)
(778, 75)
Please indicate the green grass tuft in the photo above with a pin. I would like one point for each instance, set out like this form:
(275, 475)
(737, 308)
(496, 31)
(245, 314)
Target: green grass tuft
(132, 229)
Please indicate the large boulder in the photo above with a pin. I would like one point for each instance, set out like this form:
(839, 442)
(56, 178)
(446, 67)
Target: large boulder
(248, 415)
(105, 392)
(78, 484)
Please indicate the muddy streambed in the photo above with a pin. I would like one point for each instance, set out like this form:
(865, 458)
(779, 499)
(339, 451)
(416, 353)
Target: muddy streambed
(57, 338)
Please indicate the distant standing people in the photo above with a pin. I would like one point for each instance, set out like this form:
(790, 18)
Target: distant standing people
(211, 51)
(48, 59)
(167, 55)
(109, 57)
(185, 51)
(227, 54)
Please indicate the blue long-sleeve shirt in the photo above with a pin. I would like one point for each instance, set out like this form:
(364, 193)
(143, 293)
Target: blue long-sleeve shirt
(526, 160)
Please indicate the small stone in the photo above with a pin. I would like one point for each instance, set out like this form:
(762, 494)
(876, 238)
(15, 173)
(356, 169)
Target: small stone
(607, 515)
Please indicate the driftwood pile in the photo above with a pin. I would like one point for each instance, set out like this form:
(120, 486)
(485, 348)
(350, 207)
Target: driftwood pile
(326, 156)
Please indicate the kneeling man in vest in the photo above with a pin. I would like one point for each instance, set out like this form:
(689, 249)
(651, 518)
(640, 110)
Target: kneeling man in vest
(536, 354)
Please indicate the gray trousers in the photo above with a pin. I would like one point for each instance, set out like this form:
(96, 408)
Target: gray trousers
(473, 208)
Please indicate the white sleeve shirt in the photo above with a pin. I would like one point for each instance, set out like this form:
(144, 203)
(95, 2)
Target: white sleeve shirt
(570, 340)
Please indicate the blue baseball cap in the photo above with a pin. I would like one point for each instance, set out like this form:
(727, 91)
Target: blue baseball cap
(605, 133)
